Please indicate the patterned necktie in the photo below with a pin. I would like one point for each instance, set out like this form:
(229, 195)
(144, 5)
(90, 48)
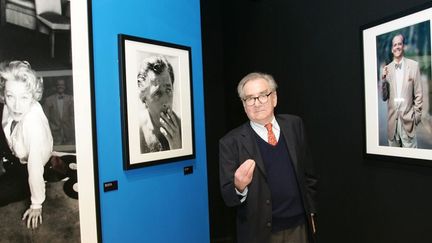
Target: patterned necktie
(270, 135)
(13, 124)
(398, 65)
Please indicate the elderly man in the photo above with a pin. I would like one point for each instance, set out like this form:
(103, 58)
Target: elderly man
(266, 170)
(160, 127)
(403, 93)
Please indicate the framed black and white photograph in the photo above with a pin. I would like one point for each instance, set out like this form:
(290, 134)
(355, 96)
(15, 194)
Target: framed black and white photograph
(58, 105)
(45, 97)
(398, 86)
(156, 90)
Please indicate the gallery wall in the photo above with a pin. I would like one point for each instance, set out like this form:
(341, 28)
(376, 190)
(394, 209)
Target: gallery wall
(156, 203)
(313, 49)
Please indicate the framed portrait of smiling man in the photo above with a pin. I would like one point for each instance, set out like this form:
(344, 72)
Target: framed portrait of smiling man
(156, 90)
(397, 86)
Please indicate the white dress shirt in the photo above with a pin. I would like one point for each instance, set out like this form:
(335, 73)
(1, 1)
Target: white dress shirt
(60, 104)
(32, 143)
(261, 130)
(399, 73)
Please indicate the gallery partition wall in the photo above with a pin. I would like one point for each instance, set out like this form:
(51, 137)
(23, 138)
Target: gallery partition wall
(160, 201)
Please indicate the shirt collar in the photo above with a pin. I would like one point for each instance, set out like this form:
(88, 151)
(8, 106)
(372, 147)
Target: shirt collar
(257, 126)
(401, 62)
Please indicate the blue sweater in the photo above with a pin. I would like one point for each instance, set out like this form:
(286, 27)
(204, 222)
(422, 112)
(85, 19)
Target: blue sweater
(287, 206)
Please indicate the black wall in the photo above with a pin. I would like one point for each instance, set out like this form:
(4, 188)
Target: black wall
(313, 50)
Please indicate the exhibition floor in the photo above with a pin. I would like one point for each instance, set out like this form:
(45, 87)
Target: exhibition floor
(60, 219)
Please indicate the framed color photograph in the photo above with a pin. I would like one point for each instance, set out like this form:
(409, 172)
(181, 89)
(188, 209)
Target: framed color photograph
(49, 43)
(156, 89)
(398, 86)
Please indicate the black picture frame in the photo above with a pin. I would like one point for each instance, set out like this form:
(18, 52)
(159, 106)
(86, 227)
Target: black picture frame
(376, 39)
(150, 137)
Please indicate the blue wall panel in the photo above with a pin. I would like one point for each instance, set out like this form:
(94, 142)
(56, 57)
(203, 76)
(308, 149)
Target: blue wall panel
(156, 203)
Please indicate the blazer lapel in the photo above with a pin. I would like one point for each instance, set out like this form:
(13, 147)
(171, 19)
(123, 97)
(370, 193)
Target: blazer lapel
(392, 79)
(406, 78)
(290, 142)
(251, 147)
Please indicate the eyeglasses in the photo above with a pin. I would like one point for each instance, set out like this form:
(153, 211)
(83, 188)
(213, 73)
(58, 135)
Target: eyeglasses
(262, 99)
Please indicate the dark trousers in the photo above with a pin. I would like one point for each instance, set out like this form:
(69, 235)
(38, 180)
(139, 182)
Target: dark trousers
(296, 234)
(14, 183)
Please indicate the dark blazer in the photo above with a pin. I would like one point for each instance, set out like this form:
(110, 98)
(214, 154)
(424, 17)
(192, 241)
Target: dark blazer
(5, 151)
(254, 215)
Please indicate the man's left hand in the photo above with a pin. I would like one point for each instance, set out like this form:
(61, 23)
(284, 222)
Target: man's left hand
(170, 129)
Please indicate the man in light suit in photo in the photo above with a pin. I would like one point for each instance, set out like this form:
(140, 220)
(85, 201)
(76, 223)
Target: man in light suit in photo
(59, 110)
(403, 92)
